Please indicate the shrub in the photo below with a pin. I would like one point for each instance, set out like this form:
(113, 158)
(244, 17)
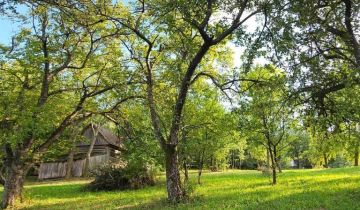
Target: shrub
(265, 170)
(121, 176)
(338, 162)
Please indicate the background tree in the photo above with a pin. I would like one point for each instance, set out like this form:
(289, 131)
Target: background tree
(298, 147)
(209, 131)
(267, 116)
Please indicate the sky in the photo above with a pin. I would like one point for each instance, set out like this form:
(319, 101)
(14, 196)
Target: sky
(7, 29)
(10, 27)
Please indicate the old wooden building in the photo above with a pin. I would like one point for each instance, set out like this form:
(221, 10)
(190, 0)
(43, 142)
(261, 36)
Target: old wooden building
(100, 147)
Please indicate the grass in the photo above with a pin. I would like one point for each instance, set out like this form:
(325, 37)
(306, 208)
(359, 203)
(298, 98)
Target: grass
(318, 189)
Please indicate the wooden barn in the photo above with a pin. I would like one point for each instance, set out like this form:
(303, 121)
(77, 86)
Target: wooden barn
(101, 147)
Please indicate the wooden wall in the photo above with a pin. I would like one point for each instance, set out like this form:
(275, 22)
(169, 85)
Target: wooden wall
(58, 169)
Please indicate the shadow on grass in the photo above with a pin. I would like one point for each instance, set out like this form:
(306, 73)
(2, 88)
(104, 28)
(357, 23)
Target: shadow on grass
(321, 190)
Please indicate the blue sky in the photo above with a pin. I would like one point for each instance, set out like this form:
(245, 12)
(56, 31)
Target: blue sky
(7, 29)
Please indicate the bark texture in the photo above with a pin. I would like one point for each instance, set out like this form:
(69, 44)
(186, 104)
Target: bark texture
(173, 182)
(14, 184)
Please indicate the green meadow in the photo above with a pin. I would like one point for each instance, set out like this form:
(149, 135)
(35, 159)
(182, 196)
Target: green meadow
(297, 189)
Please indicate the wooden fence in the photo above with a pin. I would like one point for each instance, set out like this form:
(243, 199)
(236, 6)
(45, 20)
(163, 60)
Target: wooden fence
(58, 169)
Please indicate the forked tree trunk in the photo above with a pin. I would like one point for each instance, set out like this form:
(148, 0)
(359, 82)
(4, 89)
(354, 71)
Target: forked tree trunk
(14, 185)
(95, 130)
(173, 182)
(272, 155)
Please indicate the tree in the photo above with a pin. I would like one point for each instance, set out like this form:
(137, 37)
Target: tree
(265, 114)
(180, 37)
(208, 131)
(95, 131)
(317, 43)
(51, 77)
(298, 147)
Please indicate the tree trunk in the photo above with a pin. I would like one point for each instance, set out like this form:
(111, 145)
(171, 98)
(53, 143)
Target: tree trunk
(213, 164)
(274, 175)
(356, 157)
(200, 168)
(240, 163)
(186, 172)
(325, 161)
(2, 180)
(69, 164)
(232, 160)
(268, 158)
(14, 184)
(273, 165)
(199, 175)
(278, 164)
(298, 161)
(85, 172)
(200, 165)
(279, 167)
(272, 155)
(173, 182)
(2, 176)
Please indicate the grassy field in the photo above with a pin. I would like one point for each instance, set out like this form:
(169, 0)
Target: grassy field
(297, 189)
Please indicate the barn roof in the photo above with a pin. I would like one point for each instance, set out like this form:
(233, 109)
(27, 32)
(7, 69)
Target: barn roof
(104, 137)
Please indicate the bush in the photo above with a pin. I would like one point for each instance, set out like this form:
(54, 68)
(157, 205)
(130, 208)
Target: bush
(120, 176)
(265, 170)
(338, 162)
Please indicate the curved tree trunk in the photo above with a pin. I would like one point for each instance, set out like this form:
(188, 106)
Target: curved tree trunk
(173, 182)
(85, 172)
